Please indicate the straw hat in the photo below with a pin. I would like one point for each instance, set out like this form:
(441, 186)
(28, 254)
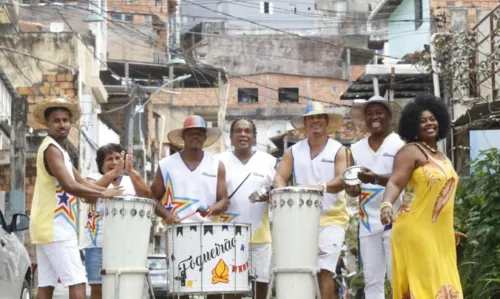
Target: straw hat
(358, 111)
(194, 121)
(69, 103)
(335, 120)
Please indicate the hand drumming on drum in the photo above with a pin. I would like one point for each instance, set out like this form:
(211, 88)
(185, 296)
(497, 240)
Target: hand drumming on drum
(202, 209)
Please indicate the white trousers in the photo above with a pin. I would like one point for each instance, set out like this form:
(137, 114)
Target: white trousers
(376, 256)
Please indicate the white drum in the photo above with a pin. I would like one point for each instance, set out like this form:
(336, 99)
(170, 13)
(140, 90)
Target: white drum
(295, 230)
(127, 226)
(208, 258)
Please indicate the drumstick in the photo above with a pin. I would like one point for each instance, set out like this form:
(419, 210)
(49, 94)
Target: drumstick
(201, 208)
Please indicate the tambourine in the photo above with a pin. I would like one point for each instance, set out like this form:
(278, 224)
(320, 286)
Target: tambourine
(255, 196)
(350, 175)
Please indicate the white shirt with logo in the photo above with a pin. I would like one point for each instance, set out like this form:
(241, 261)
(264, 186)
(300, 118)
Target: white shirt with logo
(380, 162)
(94, 227)
(186, 189)
(261, 168)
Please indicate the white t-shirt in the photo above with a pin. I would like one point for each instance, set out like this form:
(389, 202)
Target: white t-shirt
(94, 227)
(371, 197)
(261, 168)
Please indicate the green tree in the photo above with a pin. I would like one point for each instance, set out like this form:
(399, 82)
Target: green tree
(477, 212)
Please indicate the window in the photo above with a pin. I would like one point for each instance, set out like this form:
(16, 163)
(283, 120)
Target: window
(293, 8)
(158, 3)
(288, 95)
(116, 16)
(129, 18)
(148, 20)
(248, 95)
(419, 13)
(266, 8)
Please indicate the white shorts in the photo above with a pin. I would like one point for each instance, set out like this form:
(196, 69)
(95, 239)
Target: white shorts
(261, 261)
(331, 239)
(59, 260)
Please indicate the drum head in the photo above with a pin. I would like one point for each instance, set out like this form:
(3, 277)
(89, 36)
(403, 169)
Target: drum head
(350, 175)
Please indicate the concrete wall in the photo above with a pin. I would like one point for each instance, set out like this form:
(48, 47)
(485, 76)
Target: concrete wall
(137, 46)
(249, 55)
(282, 16)
(342, 16)
(403, 37)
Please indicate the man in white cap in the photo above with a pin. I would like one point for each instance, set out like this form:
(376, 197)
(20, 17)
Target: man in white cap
(320, 161)
(190, 177)
(375, 154)
(53, 212)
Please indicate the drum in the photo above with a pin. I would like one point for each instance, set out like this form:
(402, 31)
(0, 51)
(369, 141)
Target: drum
(296, 215)
(208, 258)
(127, 225)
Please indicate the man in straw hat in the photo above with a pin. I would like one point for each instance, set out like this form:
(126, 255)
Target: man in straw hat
(53, 212)
(319, 162)
(191, 177)
(375, 154)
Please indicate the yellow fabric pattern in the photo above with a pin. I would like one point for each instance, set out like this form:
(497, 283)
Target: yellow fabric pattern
(263, 234)
(44, 201)
(424, 264)
(338, 215)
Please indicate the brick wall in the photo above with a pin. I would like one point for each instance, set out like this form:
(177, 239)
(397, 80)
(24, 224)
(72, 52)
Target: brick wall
(316, 88)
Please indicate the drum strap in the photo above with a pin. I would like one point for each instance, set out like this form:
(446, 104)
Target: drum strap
(235, 190)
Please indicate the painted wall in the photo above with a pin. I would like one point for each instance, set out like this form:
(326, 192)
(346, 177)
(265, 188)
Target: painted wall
(403, 37)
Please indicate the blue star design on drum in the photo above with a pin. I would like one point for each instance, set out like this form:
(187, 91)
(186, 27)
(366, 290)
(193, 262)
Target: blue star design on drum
(367, 194)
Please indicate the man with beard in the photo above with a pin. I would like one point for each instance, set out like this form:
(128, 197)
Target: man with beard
(376, 155)
(319, 162)
(53, 213)
(247, 171)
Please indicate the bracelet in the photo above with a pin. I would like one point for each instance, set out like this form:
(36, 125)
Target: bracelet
(385, 204)
(324, 186)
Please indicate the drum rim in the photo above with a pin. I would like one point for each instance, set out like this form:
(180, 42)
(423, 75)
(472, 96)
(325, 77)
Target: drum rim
(133, 199)
(296, 189)
(210, 223)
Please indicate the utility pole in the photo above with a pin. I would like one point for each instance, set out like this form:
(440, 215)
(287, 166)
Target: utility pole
(129, 127)
(16, 202)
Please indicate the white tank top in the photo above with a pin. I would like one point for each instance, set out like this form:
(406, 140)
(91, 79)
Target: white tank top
(321, 168)
(380, 162)
(185, 189)
(261, 168)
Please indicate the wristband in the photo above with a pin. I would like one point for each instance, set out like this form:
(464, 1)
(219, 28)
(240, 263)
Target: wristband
(385, 204)
(324, 187)
(376, 181)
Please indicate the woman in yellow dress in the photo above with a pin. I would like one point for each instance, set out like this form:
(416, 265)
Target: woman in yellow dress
(424, 264)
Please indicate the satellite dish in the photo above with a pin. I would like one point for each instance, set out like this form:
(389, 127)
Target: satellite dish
(276, 130)
(56, 27)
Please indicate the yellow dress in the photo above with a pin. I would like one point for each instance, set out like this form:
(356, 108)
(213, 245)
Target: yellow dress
(424, 264)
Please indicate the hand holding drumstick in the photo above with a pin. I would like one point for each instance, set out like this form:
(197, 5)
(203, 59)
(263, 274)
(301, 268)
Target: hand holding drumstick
(202, 209)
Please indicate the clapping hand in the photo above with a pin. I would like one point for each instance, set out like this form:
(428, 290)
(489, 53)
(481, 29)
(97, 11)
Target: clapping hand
(128, 163)
(118, 170)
